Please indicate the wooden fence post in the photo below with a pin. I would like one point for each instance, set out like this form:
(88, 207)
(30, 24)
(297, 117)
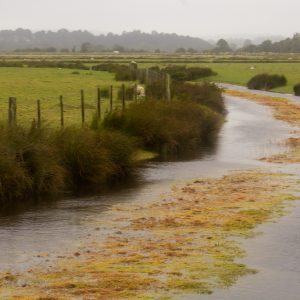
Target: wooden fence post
(62, 121)
(82, 108)
(168, 87)
(135, 92)
(12, 111)
(38, 104)
(111, 98)
(99, 103)
(123, 97)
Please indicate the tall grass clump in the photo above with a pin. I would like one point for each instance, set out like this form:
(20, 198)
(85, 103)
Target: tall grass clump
(29, 166)
(166, 127)
(43, 162)
(204, 93)
(266, 82)
(94, 157)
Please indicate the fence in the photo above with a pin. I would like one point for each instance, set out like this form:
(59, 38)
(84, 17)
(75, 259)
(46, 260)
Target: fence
(105, 101)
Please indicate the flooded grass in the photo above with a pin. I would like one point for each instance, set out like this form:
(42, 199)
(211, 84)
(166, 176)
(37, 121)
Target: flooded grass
(183, 243)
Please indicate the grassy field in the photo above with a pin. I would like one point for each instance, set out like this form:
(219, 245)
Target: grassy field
(30, 84)
(240, 73)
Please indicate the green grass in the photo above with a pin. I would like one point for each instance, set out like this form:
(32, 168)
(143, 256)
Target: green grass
(30, 84)
(241, 73)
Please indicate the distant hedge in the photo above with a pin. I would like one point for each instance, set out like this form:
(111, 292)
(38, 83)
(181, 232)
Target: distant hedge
(182, 73)
(266, 82)
(297, 89)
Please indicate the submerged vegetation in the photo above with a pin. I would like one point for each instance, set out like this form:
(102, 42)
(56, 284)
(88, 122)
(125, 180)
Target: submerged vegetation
(181, 244)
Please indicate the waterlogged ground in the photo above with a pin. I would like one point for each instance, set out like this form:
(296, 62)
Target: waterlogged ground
(186, 242)
(178, 244)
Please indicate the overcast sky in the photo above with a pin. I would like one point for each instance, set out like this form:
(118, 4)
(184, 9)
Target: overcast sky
(202, 18)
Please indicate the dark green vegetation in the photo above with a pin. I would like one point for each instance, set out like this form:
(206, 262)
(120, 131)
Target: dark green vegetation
(266, 82)
(183, 73)
(297, 89)
(42, 162)
(173, 127)
(84, 41)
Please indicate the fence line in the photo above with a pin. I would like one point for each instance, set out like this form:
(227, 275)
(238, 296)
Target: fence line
(131, 93)
(113, 98)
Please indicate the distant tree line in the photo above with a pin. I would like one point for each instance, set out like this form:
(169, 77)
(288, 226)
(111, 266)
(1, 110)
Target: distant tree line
(22, 39)
(289, 45)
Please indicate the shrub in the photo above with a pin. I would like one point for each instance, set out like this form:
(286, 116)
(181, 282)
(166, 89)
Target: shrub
(122, 72)
(182, 73)
(266, 82)
(297, 89)
(204, 93)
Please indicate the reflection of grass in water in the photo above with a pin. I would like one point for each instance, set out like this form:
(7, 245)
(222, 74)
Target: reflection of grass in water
(179, 244)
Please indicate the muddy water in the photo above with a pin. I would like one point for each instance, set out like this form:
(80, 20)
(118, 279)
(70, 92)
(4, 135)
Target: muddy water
(44, 232)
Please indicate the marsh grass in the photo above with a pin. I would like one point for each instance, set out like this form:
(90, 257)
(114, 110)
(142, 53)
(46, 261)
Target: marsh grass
(42, 162)
(184, 243)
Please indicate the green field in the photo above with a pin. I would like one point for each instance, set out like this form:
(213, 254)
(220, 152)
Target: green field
(30, 84)
(47, 84)
(240, 73)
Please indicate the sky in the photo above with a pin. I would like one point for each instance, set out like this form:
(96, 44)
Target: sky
(201, 18)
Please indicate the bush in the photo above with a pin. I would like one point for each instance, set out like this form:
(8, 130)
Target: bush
(266, 82)
(122, 72)
(297, 89)
(182, 73)
(204, 93)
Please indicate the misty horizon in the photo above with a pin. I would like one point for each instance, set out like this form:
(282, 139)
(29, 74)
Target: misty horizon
(198, 18)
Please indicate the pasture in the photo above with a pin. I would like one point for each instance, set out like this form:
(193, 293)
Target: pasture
(30, 84)
(240, 73)
(47, 84)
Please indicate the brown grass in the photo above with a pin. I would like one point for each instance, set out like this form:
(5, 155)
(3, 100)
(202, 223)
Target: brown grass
(178, 244)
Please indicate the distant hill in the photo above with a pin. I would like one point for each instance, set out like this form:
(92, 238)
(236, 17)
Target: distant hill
(290, 45)
(24, 39)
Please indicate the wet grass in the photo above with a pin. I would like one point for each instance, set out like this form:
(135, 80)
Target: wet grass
(47, 84)
(180, 244)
